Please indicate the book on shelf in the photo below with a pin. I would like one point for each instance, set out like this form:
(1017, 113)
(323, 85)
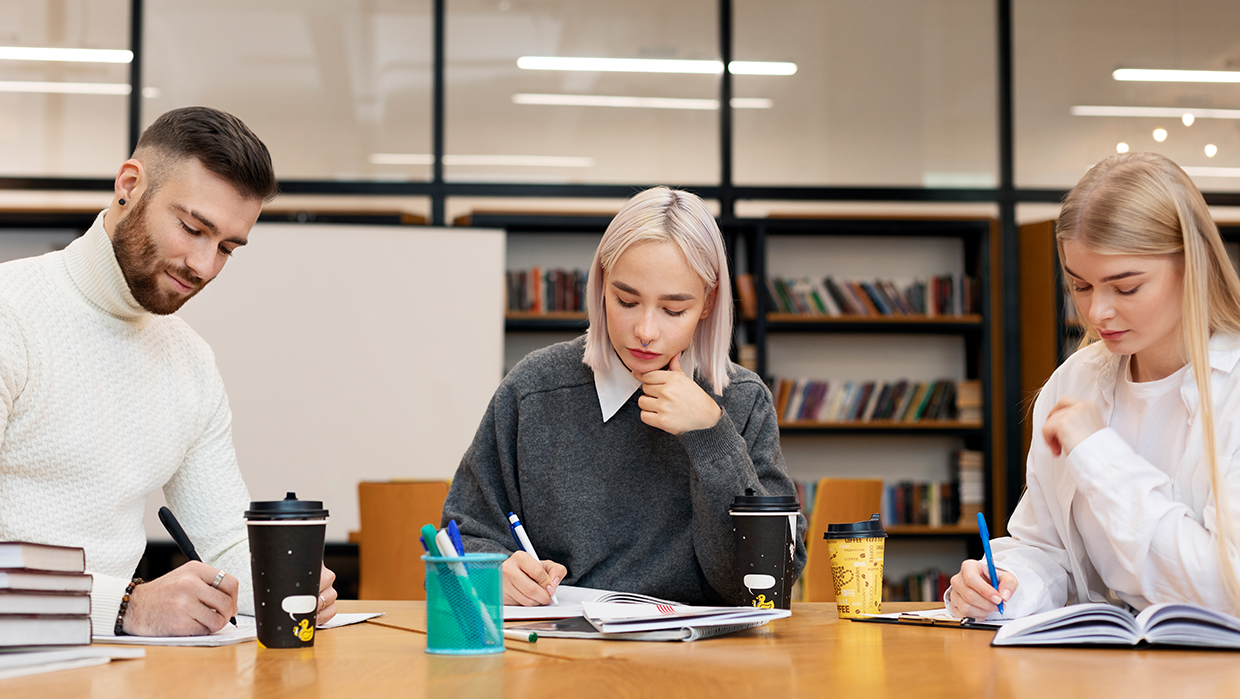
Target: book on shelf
(930, 504)
(1171, 624)
(44, 595)
(946, 295)
(926, 586)
(813, 400)
(538, 290)
(967, 465)
(747, 295)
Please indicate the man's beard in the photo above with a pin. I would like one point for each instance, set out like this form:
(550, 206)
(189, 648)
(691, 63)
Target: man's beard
(138, 257)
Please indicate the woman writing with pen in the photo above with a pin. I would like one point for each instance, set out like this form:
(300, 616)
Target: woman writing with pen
(621, 451)
(1134, 472)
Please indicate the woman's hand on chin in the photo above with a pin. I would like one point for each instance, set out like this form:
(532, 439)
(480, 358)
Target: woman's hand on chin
(675, 403)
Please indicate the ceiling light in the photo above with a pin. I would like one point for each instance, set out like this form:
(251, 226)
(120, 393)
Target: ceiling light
(1188, 119)
(654, 65)
(1178, 76)
(1211, 150)
(1121, 147)
(1160, 135)
(65, 88)
(487, 160)
(30, 53)
(560, 100)
(1164, 112)
(1213, 171)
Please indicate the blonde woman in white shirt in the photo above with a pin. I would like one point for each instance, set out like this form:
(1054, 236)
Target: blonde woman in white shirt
(1134, 473)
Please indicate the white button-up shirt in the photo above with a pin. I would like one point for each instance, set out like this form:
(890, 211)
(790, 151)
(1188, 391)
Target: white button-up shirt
(616, 384)
(1152, 527)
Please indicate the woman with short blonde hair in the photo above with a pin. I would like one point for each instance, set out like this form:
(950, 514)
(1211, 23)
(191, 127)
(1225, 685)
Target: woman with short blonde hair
(1133, 475)
(621, 451)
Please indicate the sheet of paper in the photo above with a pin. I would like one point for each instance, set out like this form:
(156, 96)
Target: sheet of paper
(570, 605)
(243, 632)
(347, 619)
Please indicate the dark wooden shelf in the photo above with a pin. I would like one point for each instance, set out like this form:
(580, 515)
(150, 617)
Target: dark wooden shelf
(951, 427)
(558, 321)
(792, 323)
(924, 530)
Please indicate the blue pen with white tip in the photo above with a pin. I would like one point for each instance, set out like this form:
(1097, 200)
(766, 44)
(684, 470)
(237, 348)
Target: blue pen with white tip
(523, 542)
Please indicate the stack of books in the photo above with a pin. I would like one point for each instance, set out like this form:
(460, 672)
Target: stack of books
(967, 472)
(808, 400)
(44, 596)
(540, 290)
(946, 295)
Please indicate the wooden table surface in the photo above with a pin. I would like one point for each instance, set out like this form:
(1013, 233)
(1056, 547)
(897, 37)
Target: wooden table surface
(811, 654)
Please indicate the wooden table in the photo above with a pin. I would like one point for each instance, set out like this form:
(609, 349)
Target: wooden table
(811, 654)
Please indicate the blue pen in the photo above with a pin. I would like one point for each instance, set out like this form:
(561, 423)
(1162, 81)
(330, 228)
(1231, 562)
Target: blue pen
(454, 533)
(523, 541)
(990, 557)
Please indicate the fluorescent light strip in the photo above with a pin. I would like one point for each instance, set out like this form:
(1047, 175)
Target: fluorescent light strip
(487, 160)
(30, 53)
(65, 88)
(1177, 76)
(1168, 112)
(654, 65)
(638, 102)
(1197, 171)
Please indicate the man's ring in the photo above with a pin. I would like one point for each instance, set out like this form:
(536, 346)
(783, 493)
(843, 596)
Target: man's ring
(219, 577)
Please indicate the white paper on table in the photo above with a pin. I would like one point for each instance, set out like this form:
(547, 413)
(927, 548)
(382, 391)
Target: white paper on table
(571, 599)
(348, 619)
(17, 664)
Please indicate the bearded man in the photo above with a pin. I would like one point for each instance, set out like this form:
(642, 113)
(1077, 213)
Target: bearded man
(106, 396)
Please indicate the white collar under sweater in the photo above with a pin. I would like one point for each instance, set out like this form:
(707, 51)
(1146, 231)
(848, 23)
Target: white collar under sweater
(91, 262)
(616, 384)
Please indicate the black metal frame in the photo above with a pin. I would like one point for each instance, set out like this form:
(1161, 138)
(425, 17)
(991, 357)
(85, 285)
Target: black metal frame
(1006, 195)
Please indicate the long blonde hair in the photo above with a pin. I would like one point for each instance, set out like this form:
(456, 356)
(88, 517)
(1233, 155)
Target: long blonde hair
(1144, 204)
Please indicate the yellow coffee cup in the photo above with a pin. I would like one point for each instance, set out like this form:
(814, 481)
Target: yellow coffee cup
(856, 551)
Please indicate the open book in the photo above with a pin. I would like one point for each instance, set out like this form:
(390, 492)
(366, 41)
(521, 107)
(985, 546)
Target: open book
(1101, 624)
(571, 599)
(629, 617)
(580, 627)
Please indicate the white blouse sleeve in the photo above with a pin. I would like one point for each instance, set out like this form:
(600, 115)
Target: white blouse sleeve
(1165, 550)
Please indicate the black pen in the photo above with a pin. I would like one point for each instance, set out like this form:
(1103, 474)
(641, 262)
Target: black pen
(183, 542)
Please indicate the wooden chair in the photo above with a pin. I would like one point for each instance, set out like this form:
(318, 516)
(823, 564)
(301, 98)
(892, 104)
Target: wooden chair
(837, 500)
(392, 515)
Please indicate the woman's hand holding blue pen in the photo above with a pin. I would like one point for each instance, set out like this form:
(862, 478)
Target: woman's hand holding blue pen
(675, 403)
(530, 583)
(972, 595)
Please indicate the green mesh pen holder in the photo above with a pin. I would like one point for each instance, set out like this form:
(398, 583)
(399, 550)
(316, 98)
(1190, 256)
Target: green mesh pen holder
(464, 604)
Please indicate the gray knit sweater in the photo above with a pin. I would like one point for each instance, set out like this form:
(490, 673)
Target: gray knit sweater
(624, 506)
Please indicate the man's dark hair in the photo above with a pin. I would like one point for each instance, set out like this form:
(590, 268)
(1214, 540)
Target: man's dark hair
(220, 141)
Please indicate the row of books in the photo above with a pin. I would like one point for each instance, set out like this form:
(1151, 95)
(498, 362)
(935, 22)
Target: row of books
(799, 400)
(928, 586)
(946, 295)
(932, 504)
(539, 290)
(44, 595)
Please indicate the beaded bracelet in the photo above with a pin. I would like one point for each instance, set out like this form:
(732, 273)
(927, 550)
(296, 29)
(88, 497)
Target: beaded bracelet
(120, 616)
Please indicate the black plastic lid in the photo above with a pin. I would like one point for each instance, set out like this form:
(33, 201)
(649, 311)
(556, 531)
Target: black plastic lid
(288, 508)
(764, 503)
(871, 528)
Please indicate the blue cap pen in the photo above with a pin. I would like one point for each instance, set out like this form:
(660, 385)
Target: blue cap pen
(454, 533)
(990, 557)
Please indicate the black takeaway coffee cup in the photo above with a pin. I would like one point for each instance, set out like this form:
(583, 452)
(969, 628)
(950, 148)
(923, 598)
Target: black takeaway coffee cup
(286, 560)
(765, 531)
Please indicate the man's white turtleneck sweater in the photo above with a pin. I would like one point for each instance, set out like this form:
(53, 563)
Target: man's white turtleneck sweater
(101, 403)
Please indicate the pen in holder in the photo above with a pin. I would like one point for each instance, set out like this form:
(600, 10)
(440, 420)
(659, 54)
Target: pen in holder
(464, 610)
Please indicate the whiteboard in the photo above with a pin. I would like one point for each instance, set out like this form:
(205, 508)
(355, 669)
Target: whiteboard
(353, 353)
